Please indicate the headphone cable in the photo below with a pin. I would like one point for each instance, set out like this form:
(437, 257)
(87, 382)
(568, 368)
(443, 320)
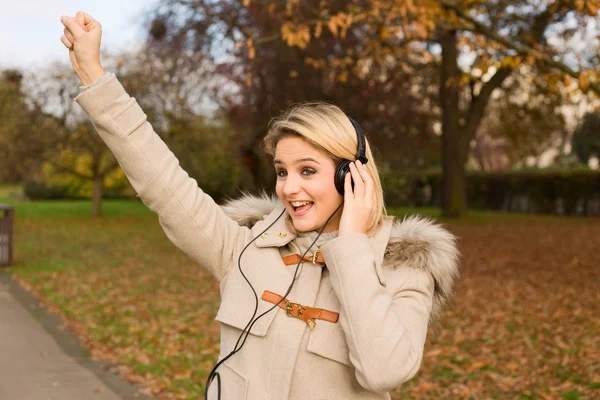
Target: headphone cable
(213, 374)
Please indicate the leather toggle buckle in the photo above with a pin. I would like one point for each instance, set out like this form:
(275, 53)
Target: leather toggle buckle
(315, 256)
(304, 313)
(294, 309)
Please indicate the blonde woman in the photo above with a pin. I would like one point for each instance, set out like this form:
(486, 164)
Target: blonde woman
(323, 296)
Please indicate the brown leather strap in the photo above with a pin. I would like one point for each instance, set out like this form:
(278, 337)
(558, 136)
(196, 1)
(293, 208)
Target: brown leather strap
(316, 259)
(305, 313)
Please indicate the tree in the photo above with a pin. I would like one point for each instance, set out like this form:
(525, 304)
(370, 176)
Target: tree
(527, 116)
(175, 88)
(24, 137)
(367, 40)
(527, 25)
(266, 76)
(497, 35)
(74, 150)
(586, 139)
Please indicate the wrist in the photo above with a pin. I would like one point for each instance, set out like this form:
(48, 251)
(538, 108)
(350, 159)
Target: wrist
(91, 75)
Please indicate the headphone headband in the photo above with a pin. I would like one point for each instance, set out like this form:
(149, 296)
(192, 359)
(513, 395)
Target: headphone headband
(344, 167)
(362, 146)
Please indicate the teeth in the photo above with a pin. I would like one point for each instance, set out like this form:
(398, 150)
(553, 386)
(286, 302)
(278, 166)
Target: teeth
(300, 203)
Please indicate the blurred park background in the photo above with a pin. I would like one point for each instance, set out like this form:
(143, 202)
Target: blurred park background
(482, 114)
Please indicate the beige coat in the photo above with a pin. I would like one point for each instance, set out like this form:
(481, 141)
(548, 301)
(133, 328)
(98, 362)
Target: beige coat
(385, 288)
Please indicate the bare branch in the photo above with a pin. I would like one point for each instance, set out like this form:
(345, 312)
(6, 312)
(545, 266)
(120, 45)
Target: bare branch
(479, 103)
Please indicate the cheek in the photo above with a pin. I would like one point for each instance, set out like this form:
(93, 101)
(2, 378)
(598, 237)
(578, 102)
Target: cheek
(325, 190)
(278, 189)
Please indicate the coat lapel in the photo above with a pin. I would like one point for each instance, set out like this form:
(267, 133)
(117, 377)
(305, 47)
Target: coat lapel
(277, 235)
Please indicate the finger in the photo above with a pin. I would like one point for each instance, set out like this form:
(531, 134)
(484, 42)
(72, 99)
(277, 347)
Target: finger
(359, 187)
(87, 19)
(69, 35)
(369, 183)
(66, 42)
(73, 59)
(81, 18)
(73, 26)
(348, 195)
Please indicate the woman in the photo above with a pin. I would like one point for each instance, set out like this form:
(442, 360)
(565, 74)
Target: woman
(351, 290)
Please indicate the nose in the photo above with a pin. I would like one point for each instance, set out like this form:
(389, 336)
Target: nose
(291, 185)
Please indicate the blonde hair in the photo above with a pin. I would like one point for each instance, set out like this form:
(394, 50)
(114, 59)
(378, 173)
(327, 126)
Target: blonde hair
(327, 128)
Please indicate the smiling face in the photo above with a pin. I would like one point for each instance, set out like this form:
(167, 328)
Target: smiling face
(305, 184)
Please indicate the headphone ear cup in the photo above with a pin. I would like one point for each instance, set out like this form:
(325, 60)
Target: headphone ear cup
(340, 175)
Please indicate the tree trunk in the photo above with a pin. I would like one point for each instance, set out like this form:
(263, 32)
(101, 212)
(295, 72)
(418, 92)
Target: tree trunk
(453, 161)
(255, 163)
(457, 136)
(97, 195)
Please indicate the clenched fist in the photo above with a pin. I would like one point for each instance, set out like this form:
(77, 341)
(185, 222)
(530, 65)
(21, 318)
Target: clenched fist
(82, 35)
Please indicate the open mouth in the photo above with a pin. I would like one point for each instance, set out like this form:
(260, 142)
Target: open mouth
(301, 207)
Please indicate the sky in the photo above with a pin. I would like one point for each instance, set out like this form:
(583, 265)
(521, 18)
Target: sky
(30, 30)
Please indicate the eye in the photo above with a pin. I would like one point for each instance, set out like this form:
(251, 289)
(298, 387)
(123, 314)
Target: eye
(282, 173)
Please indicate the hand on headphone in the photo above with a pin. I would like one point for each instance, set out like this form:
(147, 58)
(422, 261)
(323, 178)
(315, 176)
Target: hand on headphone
(358, 203)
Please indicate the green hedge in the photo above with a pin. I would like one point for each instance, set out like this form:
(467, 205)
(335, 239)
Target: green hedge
(41, 191)
(574, 191)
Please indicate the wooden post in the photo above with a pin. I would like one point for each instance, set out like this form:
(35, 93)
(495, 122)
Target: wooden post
(6, 235)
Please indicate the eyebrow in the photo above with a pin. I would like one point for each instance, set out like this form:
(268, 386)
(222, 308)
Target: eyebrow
(277, 161)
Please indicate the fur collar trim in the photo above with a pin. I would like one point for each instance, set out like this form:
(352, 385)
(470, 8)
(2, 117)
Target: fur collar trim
(415, 242)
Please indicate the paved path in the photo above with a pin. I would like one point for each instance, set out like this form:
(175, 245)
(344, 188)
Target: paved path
(41, 361)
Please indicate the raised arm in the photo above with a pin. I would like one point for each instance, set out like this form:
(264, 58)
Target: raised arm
(189, 217)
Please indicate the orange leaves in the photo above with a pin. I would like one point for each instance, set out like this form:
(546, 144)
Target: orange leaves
(343, 76)
(383, 32)
(251, 48)
(584, 81)
(184, 374)
(295, 35)
(420, 31)
(315, 63)
(587, 78)
(511, 62)
(476, 365)
(318, 30)
(338, 24)
(589, 6)
(291, 7)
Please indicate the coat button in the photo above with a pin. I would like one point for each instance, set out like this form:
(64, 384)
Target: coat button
(264, 235)
(282, 234)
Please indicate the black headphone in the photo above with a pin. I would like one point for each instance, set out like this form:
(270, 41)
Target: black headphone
(344, 167)
(339, 177)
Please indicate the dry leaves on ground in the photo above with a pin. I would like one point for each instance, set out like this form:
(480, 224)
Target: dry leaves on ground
(524, 323)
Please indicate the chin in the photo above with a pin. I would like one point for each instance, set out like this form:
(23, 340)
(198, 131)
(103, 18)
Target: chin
(304, 226)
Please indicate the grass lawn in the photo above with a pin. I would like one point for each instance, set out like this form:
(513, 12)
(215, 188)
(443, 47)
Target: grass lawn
(524, 324)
